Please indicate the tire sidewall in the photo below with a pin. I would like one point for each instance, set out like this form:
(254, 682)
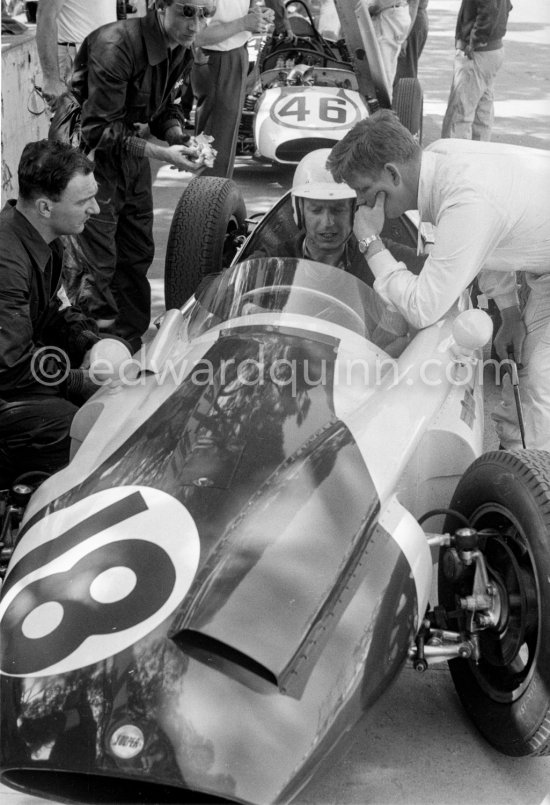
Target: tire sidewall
(508, 725)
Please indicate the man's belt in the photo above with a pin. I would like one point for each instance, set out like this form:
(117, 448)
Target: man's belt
(492, 44)
(383, 5)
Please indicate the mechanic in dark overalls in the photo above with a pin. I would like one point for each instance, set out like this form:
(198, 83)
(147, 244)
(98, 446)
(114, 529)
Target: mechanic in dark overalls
(40, 340)
(126, 76)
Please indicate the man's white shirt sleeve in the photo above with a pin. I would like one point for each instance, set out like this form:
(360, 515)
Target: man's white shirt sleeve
(466, 235)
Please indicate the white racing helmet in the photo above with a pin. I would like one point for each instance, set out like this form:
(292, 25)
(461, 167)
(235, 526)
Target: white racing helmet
(313, 180)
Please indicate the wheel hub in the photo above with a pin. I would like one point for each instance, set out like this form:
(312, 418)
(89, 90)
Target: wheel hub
(508, 648)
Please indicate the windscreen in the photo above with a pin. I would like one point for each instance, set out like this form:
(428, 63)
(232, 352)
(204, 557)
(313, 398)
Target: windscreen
(282, 285)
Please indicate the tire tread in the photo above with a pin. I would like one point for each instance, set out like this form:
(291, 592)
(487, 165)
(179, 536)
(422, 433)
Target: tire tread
(193, 249)
(408, 105)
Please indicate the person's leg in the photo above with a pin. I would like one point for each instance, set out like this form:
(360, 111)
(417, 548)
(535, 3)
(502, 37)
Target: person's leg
(135, 250)
(407, 62)
(488, 65)
(534, 381)
(203, 86)
(466, 90)
(34, 435)
(219, 88)
(535, 375)
(187, 100)
(65, 59)
(391, 27)
(505, 415)
(94, 253)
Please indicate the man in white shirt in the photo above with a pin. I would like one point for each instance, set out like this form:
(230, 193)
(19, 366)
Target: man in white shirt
(218, 77)
(489, 205)
(61, 27)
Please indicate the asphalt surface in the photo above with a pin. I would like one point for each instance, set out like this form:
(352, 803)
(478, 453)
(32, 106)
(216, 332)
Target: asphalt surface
(417, 747)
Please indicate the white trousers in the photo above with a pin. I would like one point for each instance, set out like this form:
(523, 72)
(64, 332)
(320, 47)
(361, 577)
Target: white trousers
(65, 57)
(534, 380)
(391, 27)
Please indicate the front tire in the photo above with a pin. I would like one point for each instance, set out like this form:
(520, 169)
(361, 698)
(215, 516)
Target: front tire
(207, 221)
(507, 693)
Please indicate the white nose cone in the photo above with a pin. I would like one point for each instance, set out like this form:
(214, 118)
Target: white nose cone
(472, 329)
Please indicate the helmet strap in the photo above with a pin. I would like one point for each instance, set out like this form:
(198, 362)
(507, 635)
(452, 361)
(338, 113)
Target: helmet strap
(299, 202)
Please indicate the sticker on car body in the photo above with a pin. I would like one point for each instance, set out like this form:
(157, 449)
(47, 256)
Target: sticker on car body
(126, 741)
(91, 580)
(315, 109)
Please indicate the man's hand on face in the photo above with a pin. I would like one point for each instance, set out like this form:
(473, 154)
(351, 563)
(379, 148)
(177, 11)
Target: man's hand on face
(370, 220)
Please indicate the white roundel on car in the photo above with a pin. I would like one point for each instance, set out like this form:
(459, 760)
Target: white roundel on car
(126, 741)
(90, 580)
(316, 108)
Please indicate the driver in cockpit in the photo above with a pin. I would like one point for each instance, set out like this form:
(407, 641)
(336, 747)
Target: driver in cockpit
(323, 211)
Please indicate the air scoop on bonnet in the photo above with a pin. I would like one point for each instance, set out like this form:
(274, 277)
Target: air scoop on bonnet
(270, 593)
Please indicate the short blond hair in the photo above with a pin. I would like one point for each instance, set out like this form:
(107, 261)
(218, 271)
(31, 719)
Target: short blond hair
(370, 145)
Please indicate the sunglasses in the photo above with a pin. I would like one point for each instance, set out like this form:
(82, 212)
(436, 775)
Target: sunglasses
(191, 11)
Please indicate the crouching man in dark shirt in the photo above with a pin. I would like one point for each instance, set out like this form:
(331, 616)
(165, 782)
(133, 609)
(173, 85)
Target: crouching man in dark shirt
(40, 339)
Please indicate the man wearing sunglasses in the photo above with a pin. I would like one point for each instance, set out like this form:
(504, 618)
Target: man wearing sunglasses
(127, 76)
(219, 78)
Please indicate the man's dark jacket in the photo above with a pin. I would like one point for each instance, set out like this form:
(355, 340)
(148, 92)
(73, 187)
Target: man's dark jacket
(482, 23)
(30, 309)
(124, 74)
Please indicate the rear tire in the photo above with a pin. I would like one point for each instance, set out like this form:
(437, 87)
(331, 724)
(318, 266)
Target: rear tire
(208, 219)
(408, 105)
(507, 693)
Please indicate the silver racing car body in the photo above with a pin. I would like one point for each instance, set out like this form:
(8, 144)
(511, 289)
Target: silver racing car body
(233, 567)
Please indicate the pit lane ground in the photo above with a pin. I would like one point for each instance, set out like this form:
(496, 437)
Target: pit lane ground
(417, 747)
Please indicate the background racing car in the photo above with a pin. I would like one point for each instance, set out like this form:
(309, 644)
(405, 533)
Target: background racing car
(307, 94)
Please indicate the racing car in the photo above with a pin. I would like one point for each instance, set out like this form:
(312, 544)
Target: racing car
(307, 95)
(238, 560)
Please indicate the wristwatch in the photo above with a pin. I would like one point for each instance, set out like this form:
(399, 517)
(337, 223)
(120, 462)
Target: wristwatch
(364, 243)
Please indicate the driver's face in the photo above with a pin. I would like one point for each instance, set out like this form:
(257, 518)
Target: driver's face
(328, 224)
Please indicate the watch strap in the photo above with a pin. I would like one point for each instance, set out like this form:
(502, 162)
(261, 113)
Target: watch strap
(364, 243)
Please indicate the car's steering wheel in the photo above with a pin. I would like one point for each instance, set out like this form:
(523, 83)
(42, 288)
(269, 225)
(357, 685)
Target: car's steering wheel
(331, 311)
